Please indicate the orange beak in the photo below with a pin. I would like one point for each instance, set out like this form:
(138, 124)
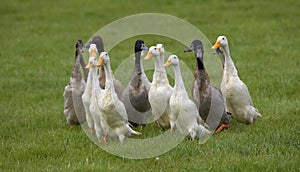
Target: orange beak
(217, 45)
(168, 63)
(93, 53)
(89, 65)
(149, 55)
(100, 61)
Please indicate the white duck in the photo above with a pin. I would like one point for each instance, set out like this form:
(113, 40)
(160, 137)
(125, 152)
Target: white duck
(113, 110)
(96, 97)
(73, 106)
(135, 96)
(159, 94)
(164, 78)
(184, 110)
(238, 99)
(86, 97)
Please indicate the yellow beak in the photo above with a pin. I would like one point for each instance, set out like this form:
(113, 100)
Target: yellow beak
(100, 61)
(168, 63)
(148, 56)
(217, 45)
(158, 49)
(93, 53)
(89, 65)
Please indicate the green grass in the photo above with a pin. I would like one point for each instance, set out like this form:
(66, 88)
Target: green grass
(37, 46)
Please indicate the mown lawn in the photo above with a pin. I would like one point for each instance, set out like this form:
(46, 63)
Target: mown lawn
(37, 46)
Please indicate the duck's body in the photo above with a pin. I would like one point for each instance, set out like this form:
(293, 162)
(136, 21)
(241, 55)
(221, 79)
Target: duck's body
(238, 99)
(113, 110)
(159, 93)
(184, 110)
(73, 106)
(208, 98)
(96, 98)
(135, 96)
(86, 97)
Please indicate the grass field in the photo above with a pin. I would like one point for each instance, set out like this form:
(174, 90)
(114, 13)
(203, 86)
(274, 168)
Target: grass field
(37, 46)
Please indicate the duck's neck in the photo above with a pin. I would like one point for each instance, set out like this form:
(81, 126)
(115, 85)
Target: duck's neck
(138, 63)
(229, 66)
(76, 68)
(89, 79)
(108, 76)
(179, 85)
(157, 70)
(200, 72)
(162, 68)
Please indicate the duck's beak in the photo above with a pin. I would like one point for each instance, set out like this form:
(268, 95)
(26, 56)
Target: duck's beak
(100, 61)
(93, 53)
(89, 65)
(217, 45)
(148, 56)
(158, 49)
(187, 50)
(167, 63)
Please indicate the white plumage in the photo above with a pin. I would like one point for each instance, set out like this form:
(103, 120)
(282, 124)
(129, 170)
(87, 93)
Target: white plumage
(113, 110)
(184, 110)
(238, 99)
(86, 97)
(160, 92)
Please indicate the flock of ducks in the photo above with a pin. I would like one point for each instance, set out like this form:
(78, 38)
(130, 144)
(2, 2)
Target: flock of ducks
(111, 111)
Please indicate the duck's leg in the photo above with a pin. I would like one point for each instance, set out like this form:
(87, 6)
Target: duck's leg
(105, 138)
(91, 130)
(222, 127)
(70, 126)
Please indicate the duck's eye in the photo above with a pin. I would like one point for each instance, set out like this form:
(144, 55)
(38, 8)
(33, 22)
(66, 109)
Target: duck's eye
(154, 48)
(223, 38)
(106, 54)
(175, 57)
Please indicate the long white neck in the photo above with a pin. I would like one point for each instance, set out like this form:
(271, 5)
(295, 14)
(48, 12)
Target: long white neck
(157, 70)
(89, 80)
(162, 68)
(229, 67)
(179, 85)
(108, 75)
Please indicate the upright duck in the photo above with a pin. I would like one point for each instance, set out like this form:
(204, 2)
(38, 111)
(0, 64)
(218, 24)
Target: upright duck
(159, 94)
(184, 110)
(86, 97)
(238, 99)
(135, 96)
(113, 110)
(73, 106)
(208, 98)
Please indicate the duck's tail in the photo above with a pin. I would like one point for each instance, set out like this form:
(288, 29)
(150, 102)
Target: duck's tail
(131, 131)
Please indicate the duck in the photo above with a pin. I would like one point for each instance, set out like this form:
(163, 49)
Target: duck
(237, 97)
(86, 97)
(73, 106)
(184, 110)
(159, 94)
(135, 95)
(113, 110)
(96, 97)
(100, 47)
(208, 98)
(164, 78)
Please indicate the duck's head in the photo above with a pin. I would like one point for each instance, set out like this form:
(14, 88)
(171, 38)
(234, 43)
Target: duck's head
(173, 59)
(103, 59)
(93, 50)
(197, 47)
(220, 43)
(92, 62)
(98, 41)
(153, 51)
(79, 45)
(160, 48)
(140, 46)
